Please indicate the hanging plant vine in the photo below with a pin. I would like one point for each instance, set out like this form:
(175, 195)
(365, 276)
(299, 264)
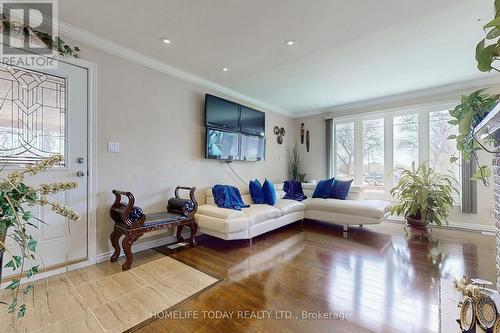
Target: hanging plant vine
(57, 43)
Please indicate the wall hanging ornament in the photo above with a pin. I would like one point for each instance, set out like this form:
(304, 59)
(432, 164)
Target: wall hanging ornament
(280, 132)
(308, 142)
(302, 133)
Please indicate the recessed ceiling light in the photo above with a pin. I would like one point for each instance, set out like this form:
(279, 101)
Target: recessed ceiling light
(224, 69)
(290, 42)
(165, 40)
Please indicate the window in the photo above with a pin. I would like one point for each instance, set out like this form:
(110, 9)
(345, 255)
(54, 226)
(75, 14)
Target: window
(32, 115)
(440, 148)
(405, 142)
(373, 155)
(344, 143)
(370, 152)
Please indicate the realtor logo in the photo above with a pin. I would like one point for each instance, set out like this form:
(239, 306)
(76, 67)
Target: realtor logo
(29, 29)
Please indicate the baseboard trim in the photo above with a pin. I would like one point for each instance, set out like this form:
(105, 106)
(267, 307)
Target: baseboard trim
(468, 227)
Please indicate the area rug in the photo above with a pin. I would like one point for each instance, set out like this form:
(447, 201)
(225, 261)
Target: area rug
(116, 302)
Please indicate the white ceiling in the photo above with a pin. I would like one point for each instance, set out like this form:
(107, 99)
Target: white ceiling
(346, 51)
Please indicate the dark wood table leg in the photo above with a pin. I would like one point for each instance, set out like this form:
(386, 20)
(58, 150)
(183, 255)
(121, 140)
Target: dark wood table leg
(115, 241)
(127, 242)
(179, 233)
(192, 238)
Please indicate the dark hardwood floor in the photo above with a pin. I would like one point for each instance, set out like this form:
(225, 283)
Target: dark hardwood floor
(378, 279)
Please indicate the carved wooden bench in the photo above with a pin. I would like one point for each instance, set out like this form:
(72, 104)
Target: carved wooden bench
(135, 228)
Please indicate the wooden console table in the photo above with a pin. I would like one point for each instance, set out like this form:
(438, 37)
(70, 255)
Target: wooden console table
(133, 230)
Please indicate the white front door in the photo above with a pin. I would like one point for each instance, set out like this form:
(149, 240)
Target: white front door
(43, 113)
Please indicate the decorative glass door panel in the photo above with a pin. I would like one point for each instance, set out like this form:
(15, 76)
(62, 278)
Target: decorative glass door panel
(32, 115)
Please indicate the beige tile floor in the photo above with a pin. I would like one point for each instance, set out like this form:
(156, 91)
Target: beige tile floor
(102, 298)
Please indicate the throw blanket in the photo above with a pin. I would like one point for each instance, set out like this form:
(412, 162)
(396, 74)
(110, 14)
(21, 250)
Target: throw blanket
(293, 190)
(226, 196)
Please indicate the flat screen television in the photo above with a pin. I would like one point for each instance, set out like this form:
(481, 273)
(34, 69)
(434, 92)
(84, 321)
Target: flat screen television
(253, 148)
(221, 113)
(252, 121)
(222, 145)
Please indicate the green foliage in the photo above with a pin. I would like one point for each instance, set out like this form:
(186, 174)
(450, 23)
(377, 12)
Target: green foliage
(13, 284)
(488, 49)
(467, 115)
(15, 222)
(294, 163)
(56, 44)
(424, 193)
(33, 270)
(15, 262)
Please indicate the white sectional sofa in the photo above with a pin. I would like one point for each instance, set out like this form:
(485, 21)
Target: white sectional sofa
(257, 219)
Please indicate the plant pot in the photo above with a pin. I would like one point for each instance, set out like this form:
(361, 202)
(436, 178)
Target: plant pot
(416, 223)
(302, 177)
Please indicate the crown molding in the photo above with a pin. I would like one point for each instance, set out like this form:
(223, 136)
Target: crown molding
(418, 97)
(98, 42)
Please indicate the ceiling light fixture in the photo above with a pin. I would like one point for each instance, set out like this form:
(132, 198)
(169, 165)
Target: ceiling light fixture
(224, 69)
(165, 40)
(290, 42)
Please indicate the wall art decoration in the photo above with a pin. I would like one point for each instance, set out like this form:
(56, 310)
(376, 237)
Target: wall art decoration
(308, 142)
(280, 132)
(302, 132)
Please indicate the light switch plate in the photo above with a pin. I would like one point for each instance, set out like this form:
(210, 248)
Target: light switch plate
(113, 147)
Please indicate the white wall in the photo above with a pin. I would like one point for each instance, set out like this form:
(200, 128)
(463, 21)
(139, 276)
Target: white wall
(315, 163)
(158, 121)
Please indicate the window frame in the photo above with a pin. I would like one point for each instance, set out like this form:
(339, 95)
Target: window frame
(423, 112)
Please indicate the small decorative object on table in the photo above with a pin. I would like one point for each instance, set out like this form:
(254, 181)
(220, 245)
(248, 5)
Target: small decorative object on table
(477, 307)
(131, 222)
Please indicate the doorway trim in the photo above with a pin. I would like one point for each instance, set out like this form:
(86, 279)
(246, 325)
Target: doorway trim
(92, 162)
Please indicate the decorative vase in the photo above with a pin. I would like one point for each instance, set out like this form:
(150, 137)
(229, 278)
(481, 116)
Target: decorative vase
(416, 222)
(302, 177)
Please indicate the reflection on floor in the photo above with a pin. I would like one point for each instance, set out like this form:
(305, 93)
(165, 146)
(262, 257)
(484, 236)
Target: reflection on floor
(378, 279)
(102, 298)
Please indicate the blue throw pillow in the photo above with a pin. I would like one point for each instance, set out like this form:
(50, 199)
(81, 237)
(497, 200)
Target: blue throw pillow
(323, 189)
(340, 189)
(256, 192)
(269, 192)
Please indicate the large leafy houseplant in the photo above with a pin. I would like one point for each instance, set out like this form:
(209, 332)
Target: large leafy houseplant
(476, 106)
(467, 115)
(423, 196)
(488, 49)
(16, 200)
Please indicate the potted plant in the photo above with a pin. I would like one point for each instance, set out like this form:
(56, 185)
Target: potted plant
(294, 163)
(423, 196)
(15, 221)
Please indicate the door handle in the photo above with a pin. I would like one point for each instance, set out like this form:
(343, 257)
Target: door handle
(80, 160)
(80, 173)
